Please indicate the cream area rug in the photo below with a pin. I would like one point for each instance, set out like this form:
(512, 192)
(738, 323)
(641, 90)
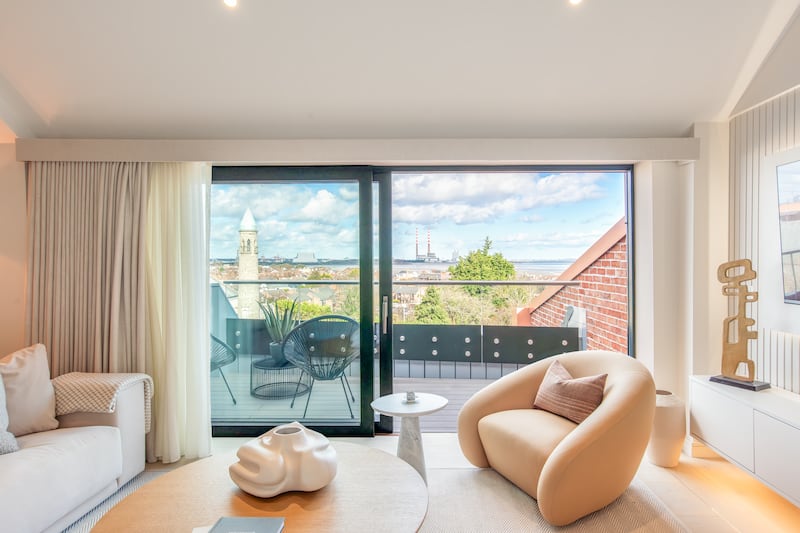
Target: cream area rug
(90, 519)
(469, 500)
(482, 501)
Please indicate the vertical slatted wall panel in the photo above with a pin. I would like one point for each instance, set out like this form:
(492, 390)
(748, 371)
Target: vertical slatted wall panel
(779, 363)
(759, 133)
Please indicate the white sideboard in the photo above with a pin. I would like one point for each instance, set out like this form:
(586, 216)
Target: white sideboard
(759, 431)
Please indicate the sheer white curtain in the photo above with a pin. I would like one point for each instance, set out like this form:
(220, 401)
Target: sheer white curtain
(85, 298)
(177, 310)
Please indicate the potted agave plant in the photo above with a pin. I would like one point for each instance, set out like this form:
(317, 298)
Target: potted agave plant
(279, 322)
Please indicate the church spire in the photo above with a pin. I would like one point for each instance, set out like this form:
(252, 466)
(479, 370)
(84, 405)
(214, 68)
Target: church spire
(248, 222)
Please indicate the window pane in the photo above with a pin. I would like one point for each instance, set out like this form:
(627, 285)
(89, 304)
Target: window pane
(282, 255)
(546, 255)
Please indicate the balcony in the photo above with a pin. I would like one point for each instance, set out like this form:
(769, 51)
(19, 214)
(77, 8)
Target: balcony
(452, 360)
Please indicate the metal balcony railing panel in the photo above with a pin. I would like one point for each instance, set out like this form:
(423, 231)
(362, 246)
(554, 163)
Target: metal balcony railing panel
(523, 345)
(422, 342)
(221, 311)
(475, 352)
(247, 336)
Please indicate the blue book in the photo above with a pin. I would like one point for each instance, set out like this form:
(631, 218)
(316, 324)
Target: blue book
(248, 524)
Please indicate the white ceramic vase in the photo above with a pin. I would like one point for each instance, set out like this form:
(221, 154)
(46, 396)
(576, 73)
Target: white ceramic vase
(288, 457)
(669, 430)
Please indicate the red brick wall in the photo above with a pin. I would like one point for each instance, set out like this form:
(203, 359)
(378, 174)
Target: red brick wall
(603, 293)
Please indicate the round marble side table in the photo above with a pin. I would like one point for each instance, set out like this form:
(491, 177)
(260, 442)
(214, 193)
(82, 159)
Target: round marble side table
(409, 447)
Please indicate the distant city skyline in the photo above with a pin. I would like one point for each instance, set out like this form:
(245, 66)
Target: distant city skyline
(526, 215)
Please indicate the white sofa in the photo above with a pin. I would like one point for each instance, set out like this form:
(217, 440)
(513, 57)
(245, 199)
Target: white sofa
(60, 474)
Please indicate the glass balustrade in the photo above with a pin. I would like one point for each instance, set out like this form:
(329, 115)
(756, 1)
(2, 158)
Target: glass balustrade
(452, 359)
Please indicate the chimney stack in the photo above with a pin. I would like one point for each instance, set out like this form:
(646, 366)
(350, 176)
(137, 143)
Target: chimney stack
(429, 243)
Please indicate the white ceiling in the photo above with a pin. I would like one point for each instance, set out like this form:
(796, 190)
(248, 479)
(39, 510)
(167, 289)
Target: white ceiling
(194, 69)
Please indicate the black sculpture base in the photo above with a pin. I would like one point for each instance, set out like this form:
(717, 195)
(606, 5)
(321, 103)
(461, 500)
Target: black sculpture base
(747, 385)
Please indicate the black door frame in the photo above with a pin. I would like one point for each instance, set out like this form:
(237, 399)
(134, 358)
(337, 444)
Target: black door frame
(364, 177)
(383, 176)
(367, 177)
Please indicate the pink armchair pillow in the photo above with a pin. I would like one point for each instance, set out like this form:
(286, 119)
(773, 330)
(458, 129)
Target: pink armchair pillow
(573, 398)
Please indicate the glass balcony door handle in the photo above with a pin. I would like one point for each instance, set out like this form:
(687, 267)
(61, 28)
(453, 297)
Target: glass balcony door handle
(385, 315)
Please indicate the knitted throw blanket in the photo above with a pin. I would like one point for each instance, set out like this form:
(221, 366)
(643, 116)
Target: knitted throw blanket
(81, 392)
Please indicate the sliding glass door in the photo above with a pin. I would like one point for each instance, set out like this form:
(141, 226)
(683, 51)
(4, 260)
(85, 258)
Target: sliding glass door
(291, 264)
(496, 268)
(331, 286)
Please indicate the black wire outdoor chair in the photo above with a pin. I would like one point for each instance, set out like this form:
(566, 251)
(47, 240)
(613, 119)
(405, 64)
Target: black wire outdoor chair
(222, 355)
(324, 347)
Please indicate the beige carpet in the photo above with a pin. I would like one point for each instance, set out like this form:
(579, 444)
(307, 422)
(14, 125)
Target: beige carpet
(88, 521)
(468, 500)
(482, 501)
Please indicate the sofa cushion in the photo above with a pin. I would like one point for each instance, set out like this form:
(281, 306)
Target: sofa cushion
(30, 399)
(54, 472)
(572, 398)
(519, 441)
(8, 443)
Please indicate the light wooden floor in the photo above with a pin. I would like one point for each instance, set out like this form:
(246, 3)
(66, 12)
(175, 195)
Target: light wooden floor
(707, 495)
(711, 495)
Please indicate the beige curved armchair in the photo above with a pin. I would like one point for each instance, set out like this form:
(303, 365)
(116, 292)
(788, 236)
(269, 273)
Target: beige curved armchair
(570, 469)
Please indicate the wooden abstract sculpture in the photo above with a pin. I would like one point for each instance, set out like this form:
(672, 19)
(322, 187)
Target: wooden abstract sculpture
(733, 275)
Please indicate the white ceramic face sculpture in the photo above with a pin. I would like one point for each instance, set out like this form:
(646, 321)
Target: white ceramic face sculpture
(288, 457)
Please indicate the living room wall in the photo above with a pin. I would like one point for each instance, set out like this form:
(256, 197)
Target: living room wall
(660, 191)
(663, 240)
(12, 250)
(758, 138)
(777, 74)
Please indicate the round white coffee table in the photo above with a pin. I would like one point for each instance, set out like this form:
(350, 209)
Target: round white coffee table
(409, 447)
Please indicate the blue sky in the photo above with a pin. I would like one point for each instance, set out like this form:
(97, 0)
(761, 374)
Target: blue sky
(526, 215)
(789, 183)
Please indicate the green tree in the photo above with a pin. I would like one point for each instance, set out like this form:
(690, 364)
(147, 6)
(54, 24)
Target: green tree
(318, 274)
(430, 310)
(463, 308)
(351, 306)
(350, 273)
(308, 310)
(480, 265)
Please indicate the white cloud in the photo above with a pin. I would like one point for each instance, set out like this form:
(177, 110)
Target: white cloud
(263, 200)
(566, 239)
(347, 236)
(478, 197)
(427, 215)
(289, 216)
(532, 241)
(349, 193)
(321, 207)
(528, 189)
(511, 207)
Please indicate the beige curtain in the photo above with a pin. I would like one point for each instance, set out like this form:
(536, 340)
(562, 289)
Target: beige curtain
(177, 310)
(118, 282)
(86, 289)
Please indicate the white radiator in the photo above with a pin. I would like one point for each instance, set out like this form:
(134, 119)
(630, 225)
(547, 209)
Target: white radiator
(778, 359)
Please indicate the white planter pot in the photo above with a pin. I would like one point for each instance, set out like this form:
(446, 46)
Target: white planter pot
(288, 457)
(669, 430)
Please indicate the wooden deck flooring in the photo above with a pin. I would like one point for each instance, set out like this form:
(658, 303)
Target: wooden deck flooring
(327, 404)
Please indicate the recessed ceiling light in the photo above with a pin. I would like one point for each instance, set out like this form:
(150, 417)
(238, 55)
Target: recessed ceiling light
(575, 2)
(233, 3)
